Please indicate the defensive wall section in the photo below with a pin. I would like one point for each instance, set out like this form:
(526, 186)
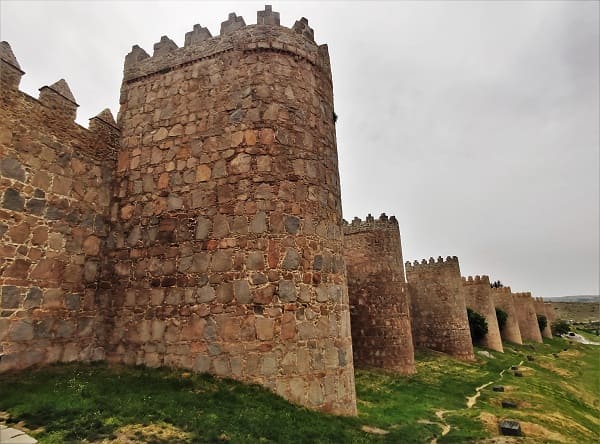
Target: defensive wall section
(540, 309)
(526, 315)
(226, 244)
(438, 310)
(54, 210)
(204, 229)
(503, 299)
(478, 297)
(379, 304)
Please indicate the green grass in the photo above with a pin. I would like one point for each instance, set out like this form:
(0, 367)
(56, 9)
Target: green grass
(559, 401)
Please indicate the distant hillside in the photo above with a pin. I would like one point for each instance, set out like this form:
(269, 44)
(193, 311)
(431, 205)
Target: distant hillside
(576, 298)
(576, 311)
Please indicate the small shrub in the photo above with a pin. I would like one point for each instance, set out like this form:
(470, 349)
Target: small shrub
(477, 325)
(502, 316)
(542, 322)
(560, 327)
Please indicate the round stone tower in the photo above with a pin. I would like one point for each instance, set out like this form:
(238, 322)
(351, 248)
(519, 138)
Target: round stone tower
(438, 310)
(503, 300)
(227, 216)
(380, 313)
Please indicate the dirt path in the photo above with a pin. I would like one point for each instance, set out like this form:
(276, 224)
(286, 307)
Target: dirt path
(443, 424)
(471, 401)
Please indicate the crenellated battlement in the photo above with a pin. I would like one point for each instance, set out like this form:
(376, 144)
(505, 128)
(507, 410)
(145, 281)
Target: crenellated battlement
(476, 280)
(199, 44)
(501, 290)
(522, 295)
(450, 260)
(57, 107)
(370, 223)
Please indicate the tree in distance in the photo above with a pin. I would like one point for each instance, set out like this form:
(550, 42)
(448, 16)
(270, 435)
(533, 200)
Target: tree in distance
(477, 324)
(542, 322)
(502, 316)
(560, 327)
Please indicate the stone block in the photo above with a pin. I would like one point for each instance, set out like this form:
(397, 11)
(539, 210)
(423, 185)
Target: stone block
(292, 224)
(12, 200)
(10, 297)
(12, 169)
(21, 330)
(258, 223)
(291, 260)
(72, 301)
(33, 298)
(241, 291)
(202, 364)
(510, 427)
(264, 328)
(287, 291)
(36, 206)
(222, 260)
(255, 260)
(268, 365)
(205, 294)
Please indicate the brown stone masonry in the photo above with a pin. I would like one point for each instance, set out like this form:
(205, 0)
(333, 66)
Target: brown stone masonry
(503, 300)
(540, 309)
(54, 205)
(550, 312)
(478, 297)
(380, 317)
(528, 324)
(226, 249)
(438, 310)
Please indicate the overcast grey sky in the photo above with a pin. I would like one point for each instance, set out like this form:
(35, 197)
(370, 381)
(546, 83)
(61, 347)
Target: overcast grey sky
(475, 123)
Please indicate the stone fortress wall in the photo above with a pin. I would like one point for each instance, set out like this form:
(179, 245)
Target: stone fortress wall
(380, 312)
(205, 231)
(478, 296)
(503, 300)
(540, 309)
(438, 310)
(226, 241)
(54, 210)
(526, 315)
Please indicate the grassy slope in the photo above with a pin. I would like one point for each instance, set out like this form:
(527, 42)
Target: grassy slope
(559, 401)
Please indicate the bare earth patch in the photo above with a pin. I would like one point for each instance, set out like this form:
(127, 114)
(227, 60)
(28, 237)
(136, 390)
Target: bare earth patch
(553, 368)
(374, 430)
(537, 431)
(563, 423)
(156, 433)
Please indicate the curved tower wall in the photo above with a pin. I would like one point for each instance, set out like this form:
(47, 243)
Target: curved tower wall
(550, 312)
(540, 309)
(503, 300)
(227, 242)
(438, 310)
(478, 297)
(526, 315)
(380, 313)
